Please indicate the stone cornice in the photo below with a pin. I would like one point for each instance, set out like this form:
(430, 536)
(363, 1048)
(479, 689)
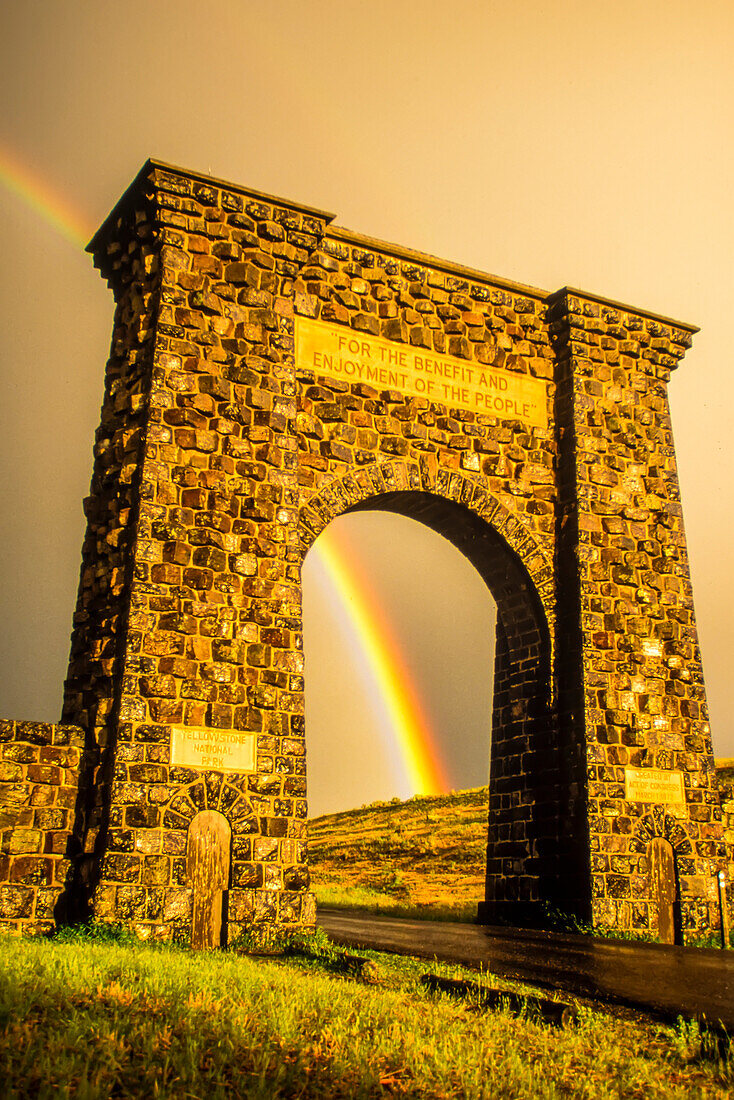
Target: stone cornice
(611, 303)
(145, 180)
(400, 252)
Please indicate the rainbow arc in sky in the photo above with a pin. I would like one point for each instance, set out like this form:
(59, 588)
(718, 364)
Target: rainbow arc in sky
(36, 194)
(409, 737)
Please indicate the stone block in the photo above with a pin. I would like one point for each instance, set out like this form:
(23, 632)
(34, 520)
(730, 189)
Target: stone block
(30, 870)
(47, 899)
(21, 753)
(177, 904)
(43, 795)
(57, 843)
(130, 902)
(16, 902)
(122, 868)
(156, 871)
(26, 841)
(44, 773)
(248, 875)
(50, 818)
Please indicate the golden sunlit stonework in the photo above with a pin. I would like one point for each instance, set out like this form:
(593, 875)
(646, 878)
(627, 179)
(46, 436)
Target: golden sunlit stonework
(269, 372)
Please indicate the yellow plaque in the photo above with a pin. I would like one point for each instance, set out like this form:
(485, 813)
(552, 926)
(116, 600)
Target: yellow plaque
(653, 785)
(350, 356)
(213, 749)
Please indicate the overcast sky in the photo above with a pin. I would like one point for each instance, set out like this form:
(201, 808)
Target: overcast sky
(554, 143)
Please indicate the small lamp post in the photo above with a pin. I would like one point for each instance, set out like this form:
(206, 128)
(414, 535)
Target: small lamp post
(724, 909)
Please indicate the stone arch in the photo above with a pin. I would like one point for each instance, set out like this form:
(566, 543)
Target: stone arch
(225, 440)
(208, 868)
(386, 478)
(530, 858)
(658, 823)
(664, 890)
(210, 791)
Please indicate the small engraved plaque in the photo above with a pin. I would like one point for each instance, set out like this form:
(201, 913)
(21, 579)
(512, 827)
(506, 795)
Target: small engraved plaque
(342, 353)
(213, 749)
(654, 785)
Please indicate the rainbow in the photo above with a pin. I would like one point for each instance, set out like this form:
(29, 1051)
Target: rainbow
(410, 738)
(39, 197)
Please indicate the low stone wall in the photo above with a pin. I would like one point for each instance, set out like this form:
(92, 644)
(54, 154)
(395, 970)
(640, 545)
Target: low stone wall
(39, 777)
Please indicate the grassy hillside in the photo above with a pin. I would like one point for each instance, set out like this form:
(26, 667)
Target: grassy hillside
(404, 856)
(423, 857)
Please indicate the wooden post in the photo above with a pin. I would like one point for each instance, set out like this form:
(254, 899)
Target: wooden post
(662, 887)
(207, 869)
(723, 908)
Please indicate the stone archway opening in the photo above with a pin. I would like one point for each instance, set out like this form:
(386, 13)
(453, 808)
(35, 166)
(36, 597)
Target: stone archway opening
(383, 597)
(530, 790)
(399, 644)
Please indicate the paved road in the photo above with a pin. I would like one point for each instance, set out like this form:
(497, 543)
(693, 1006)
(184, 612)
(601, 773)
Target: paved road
(667, 981)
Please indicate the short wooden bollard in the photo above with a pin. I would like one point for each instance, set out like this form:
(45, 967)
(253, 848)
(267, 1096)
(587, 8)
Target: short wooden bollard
(558, 1013)
(207, 870)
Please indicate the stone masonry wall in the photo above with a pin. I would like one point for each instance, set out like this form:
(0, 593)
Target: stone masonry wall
(726, 792)
(39, 774)
(101, 627)
(111, 508)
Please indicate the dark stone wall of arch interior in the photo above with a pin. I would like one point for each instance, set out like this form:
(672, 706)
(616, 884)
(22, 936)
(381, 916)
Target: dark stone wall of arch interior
(218, 461)
(531, 855)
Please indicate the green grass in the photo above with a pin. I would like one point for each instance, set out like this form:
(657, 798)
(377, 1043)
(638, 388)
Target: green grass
(372, 901)
(89, 1019)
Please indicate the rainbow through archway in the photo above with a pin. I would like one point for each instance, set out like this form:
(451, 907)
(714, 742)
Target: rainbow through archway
(410, 739)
